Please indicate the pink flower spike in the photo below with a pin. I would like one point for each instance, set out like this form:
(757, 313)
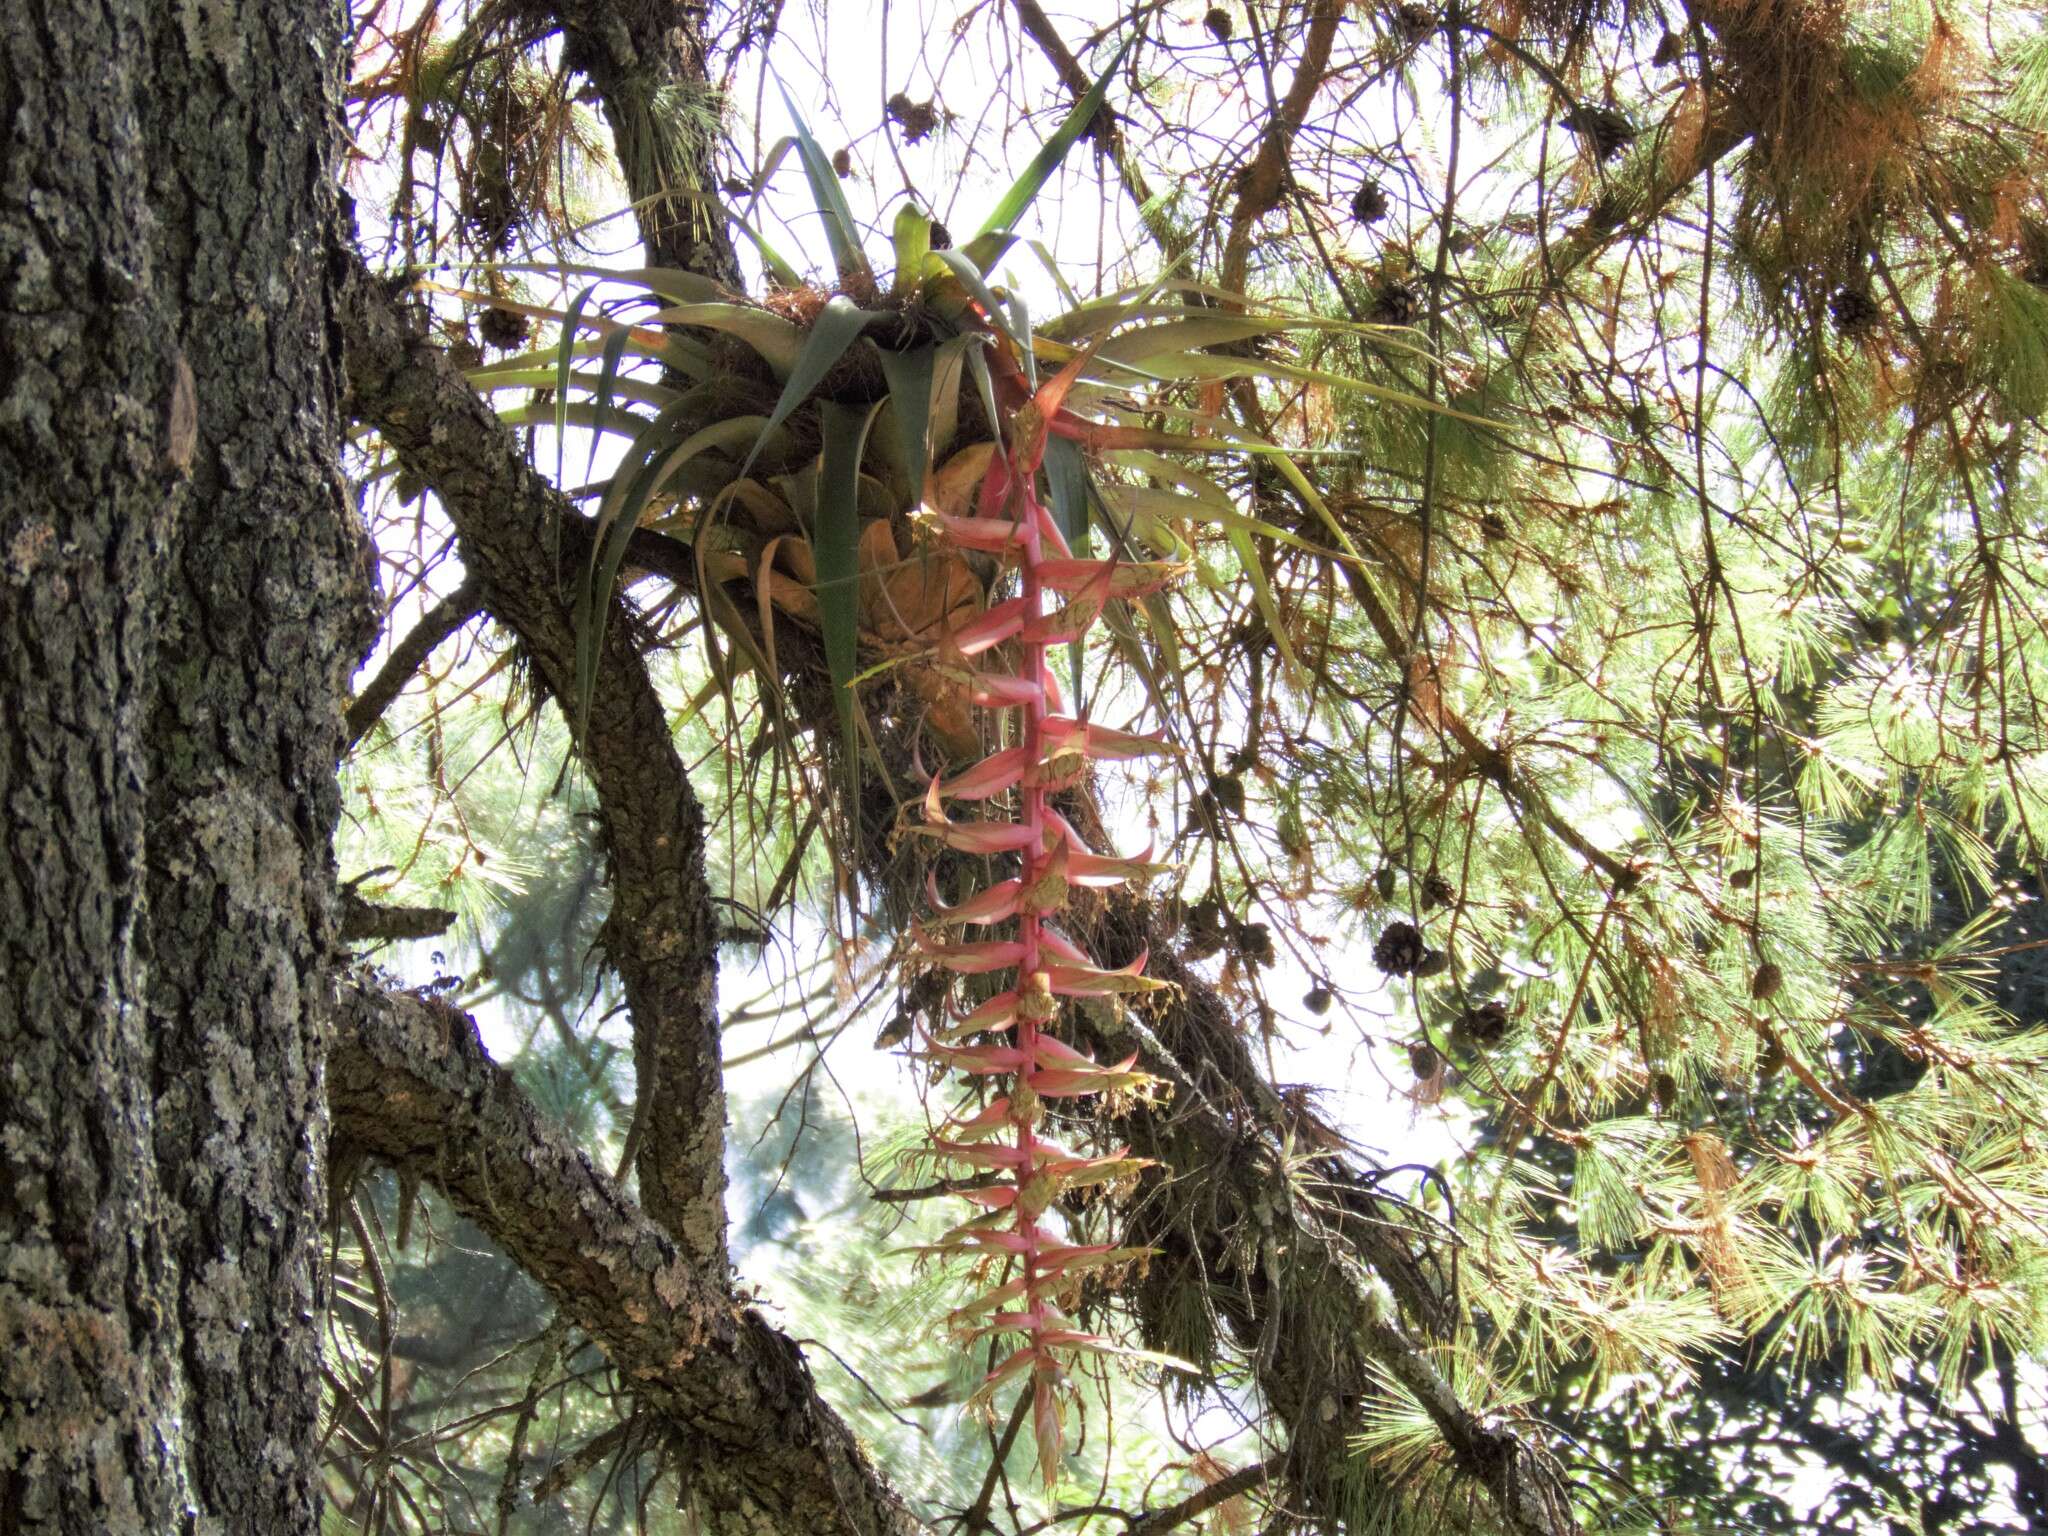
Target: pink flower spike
(1092, 869)
(1002, 1238)
(999, 1012)
(993, 905)
(999, 690)
(969, 959)
(1057, 1053)
(1039, 1317)
(1057, 943)
(985, 631)
(995, 1118)
(1086, 980)
(1020, 1361)
(1055, 701)
(970, 836)
(990, 535)
(977, 1155)
(1049, 535)
(991, 776)
(1058, 1256)
(981, 1059)
(995, 490)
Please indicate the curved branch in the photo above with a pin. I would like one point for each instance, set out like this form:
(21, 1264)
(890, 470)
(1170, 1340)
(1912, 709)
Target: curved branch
(662, 933)
(410, 1085)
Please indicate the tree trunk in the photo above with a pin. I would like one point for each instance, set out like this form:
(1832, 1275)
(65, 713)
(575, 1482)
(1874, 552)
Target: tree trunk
(181, 592)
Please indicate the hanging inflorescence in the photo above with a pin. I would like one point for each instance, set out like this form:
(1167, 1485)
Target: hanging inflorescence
(1011, 1036)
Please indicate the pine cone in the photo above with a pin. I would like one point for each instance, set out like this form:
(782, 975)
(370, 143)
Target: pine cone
(1219, 23)
(1854, 311)
(1227, 794)
(1204, 930)
(1394, 304)
(1412, 23)
(1487, 1025)
(1318, 1000)
(1424, 1061)
(1399, 949)
(1669, 47)
(1370, 205)
(842, 163)
(1254, 941)
(1763, 986)
(1436, 891)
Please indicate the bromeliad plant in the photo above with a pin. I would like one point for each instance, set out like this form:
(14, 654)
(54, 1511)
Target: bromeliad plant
(1059, 599)
(878, 467)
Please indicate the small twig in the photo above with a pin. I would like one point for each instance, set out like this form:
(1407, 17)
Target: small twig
(1243, 1480)
(409, 654)
(975, 1517)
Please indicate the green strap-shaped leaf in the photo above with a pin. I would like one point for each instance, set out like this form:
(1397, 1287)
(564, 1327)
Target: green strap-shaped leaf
(984, 385)
(1178, 336)
(581, 413)
(835, 544)
(1068, 490)
(840, 230)
(654, 457)
(978, 290)
(952, 358)
(1010, 206)
(671, 283)
(909, 375)
(625, 387)
(1262, 594)
(1066, 478)
(779, 342)
(565, 362)
(835, 329)
(1020, 327)
(676, 353)
(777, 264)
(912, 238)
(607, 378)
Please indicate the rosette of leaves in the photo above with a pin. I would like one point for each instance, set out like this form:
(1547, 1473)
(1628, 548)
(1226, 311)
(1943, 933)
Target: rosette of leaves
(789, 445)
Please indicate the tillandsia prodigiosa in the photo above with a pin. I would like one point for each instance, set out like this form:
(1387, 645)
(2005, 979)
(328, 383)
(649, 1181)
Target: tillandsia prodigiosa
(776, 451)
(1033, 1272)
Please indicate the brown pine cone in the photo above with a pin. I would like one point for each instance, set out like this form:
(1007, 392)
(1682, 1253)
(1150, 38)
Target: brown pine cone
(1399, 949)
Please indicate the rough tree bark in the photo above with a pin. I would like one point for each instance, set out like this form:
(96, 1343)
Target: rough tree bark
(183, 593)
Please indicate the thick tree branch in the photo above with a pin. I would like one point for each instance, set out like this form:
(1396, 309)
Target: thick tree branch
(410, 1085)
(661, 933)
